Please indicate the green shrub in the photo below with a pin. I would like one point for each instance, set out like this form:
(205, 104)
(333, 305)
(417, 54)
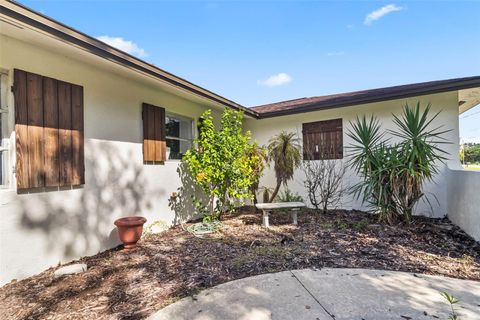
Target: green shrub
(361, 225)
(289, 196)
(393, 174)
(257, 158)
(223, 163)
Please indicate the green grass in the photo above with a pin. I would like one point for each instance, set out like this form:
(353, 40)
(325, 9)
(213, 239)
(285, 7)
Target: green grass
(475, 167)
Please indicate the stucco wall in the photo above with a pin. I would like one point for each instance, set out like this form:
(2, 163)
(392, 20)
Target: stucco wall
(463, 200)
(39, 230)
(437, 191)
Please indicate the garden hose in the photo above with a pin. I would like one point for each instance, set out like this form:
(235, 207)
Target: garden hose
(201, 229)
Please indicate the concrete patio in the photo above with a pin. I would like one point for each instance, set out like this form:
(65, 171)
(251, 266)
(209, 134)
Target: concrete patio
(329, 294)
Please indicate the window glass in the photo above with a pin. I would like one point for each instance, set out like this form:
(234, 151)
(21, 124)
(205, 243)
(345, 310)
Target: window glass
(179, 135)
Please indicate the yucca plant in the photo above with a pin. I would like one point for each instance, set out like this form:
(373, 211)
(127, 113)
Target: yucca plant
(393, 174)
(419, 152)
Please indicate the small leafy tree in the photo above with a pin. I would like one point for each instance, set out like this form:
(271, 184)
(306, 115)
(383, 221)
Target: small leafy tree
(257, 158)
(284, 152)
(393, 174)
(223, 164)
(324, 182)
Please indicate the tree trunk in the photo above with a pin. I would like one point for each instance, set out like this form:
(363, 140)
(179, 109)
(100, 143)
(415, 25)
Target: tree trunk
(253, 190)
(266, 196)
(211, 205)
(274, 194)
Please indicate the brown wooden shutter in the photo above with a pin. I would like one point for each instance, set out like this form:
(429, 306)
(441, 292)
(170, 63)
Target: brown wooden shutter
(21, 126)
(154, 144)
(323, 140)
(50, 109)
(49, 132)
(78, 163)
(65, 132)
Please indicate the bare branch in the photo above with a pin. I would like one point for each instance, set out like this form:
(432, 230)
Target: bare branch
(324, 182)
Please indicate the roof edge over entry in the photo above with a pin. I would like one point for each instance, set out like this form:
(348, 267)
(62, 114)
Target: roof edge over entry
(365, 96)
(46, 24)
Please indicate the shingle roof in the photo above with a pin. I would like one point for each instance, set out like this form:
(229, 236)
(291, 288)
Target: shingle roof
(364, 96)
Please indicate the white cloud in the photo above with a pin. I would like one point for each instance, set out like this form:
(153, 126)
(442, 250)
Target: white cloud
(124, 45)
(276, 80)
(377, 14)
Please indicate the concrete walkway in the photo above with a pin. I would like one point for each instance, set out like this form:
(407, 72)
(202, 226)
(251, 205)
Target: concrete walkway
(328, 294)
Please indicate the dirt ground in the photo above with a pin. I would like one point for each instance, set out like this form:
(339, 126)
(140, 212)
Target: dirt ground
(175, 264)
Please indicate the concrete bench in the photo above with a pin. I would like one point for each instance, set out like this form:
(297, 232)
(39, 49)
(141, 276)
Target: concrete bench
(267, 208)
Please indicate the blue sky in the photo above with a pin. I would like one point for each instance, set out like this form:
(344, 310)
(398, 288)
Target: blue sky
(258, 52)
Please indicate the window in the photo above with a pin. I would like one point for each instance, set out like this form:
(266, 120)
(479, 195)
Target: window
(165, 136)
(48, 132)
(179, 135)
(4, 130)
(323, 140)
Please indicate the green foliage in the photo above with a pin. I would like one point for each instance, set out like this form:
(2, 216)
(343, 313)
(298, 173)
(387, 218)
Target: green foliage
(257, 159)
(471, 152)
(327, 226)
(451, 300)
(284, 152)
(394, 173)
(223, 164)
(361, 225)
(289, 196)
(342, 226)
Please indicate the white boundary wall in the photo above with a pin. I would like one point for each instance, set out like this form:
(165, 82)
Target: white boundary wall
(464, 199)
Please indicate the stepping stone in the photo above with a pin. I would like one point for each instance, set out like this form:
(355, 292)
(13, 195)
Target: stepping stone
(70, 269)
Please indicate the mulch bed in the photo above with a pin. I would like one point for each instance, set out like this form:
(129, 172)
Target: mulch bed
(175, 264)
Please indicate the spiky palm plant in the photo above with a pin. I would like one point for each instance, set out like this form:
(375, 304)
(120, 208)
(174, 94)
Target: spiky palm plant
(371, 158)
(419, 153)
(284, 152)
(393, 174)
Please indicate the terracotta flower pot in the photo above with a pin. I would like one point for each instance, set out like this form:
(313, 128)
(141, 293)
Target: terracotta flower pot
(130, 231)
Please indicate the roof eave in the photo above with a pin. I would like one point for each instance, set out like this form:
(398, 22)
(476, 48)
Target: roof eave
(310, 107)
(30, 17)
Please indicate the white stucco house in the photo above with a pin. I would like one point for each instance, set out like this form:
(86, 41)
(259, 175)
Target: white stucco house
(90, 133)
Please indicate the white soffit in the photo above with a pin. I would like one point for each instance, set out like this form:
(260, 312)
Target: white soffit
(468, 98)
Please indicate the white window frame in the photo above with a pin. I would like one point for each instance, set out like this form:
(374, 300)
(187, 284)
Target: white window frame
(192, 123)
(5, 135)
